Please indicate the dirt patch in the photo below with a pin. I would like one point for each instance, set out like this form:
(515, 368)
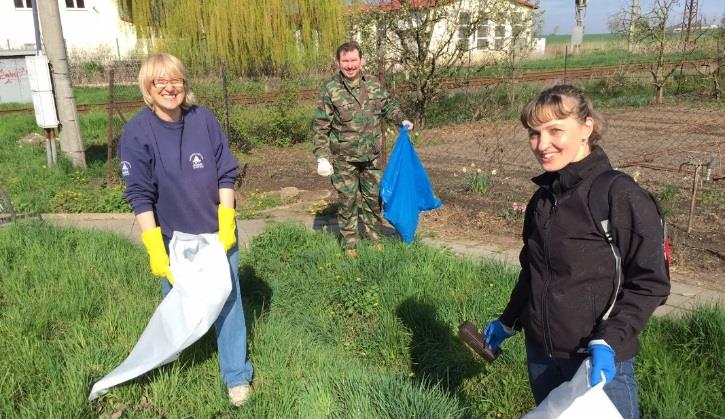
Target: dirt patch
(649, 144)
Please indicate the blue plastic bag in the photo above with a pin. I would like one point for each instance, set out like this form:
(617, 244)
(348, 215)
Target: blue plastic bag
(405, 189)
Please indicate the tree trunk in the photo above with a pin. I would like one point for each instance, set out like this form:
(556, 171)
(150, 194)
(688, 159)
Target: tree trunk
(659, 94)
(70, 136)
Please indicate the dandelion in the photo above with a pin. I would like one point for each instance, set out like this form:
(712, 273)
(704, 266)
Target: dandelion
(493, 172)
(636, 176)
(464, 170)
(478, 171)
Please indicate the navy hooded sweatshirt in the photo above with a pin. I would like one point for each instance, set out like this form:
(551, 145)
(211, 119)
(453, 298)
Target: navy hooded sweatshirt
(176, 169)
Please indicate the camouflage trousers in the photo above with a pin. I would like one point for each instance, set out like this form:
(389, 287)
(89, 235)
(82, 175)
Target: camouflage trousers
(358, 186)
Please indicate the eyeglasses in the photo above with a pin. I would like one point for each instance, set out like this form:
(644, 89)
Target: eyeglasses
(161, 83)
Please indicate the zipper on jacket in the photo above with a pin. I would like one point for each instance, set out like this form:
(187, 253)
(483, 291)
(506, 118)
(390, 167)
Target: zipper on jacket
(544, 296)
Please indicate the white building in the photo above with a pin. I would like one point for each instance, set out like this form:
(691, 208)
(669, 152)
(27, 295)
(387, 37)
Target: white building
(502, 26)
(90, 27)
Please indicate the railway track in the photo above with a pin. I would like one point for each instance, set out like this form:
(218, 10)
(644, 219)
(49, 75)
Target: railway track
(309, 94)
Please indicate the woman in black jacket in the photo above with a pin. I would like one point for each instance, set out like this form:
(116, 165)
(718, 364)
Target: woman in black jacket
(566, 286)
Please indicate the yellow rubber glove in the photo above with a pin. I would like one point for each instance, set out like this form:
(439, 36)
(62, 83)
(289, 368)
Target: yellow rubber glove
(158, 259)
(227, 227)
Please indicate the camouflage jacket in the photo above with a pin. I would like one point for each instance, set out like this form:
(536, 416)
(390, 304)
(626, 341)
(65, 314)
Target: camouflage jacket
(347, 119)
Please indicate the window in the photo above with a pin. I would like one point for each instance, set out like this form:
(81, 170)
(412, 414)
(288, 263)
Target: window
(75, 4)
(499, 37)
(483, 33)
(517, 24)
(23, 4)
(464, 31)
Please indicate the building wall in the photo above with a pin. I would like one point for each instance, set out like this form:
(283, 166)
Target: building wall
(95, 29)
(495, 39)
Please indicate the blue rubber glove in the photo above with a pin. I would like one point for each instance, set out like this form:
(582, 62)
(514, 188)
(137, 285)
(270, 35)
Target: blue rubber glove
(602, 362)
(495, 333)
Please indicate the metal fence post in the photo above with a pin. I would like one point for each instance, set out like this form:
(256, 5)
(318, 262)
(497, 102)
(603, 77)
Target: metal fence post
(109, 144)
(225, 90)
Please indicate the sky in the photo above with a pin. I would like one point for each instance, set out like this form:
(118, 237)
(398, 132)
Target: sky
(560, 13)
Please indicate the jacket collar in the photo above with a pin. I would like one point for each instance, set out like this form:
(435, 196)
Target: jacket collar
(342, 79)
(570, 176)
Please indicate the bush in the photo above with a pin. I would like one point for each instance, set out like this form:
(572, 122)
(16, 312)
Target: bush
(279, 124)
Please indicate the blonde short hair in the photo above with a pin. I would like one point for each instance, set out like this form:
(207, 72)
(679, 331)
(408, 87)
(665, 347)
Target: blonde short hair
(162, 63)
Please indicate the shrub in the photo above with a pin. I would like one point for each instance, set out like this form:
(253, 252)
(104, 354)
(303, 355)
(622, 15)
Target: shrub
(280, 124)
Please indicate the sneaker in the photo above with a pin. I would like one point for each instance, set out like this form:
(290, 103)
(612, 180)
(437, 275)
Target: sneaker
(468, 333)
(351, 253)
(239, 395)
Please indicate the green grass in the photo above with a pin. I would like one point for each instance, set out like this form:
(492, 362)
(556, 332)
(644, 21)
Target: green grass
(255, 202)
(372, 337)
(35, 188)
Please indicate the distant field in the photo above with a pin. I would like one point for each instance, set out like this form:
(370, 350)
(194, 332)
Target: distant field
(559, 44)
(594, 37)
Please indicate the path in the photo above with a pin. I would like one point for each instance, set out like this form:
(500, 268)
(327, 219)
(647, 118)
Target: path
(682, 297)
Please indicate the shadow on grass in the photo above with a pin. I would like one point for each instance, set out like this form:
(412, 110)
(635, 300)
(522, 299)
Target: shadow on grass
(97, 153)
(257, 296)
(326, 220)
(436, 353)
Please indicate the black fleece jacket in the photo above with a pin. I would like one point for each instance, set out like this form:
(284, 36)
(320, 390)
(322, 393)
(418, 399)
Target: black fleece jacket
(567, 268)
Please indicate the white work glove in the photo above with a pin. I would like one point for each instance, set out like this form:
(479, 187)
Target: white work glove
(324, 168)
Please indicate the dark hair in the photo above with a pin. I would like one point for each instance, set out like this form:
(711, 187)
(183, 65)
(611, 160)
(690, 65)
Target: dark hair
(559, 102)
(347, 47)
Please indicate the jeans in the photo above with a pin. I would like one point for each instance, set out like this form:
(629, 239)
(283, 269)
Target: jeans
(231, 330)
(545, 374)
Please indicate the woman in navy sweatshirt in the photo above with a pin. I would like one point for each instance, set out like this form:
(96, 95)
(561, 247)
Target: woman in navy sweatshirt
(179, 176)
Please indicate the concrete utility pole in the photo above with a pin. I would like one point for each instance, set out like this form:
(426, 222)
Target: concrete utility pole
(70, 136)
(577, 34)
(633, 16)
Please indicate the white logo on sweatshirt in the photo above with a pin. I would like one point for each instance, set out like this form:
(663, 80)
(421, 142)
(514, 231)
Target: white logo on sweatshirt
(125, 168)
(196, 160)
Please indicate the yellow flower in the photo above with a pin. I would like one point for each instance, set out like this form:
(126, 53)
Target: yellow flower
(478, 171)
(493, 172)
(464, 170)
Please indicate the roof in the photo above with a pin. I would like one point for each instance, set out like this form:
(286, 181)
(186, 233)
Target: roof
(395, 4)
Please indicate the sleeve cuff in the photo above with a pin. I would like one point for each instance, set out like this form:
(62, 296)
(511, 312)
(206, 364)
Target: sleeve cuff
(598, 342)
(142, 207)
(226, 184)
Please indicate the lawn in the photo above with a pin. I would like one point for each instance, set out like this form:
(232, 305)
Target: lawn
(372, 337)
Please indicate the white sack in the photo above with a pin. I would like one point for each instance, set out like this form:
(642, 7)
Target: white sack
(203, 282)
(577, 399)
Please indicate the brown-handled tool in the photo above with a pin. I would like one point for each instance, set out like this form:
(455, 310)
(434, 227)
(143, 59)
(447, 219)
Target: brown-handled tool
(469, 334)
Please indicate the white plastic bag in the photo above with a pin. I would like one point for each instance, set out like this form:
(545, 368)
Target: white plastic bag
(202, 284)
(577, 399)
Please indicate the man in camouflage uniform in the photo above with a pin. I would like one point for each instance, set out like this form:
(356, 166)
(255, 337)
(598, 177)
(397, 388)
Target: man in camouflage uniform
(347, 133)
